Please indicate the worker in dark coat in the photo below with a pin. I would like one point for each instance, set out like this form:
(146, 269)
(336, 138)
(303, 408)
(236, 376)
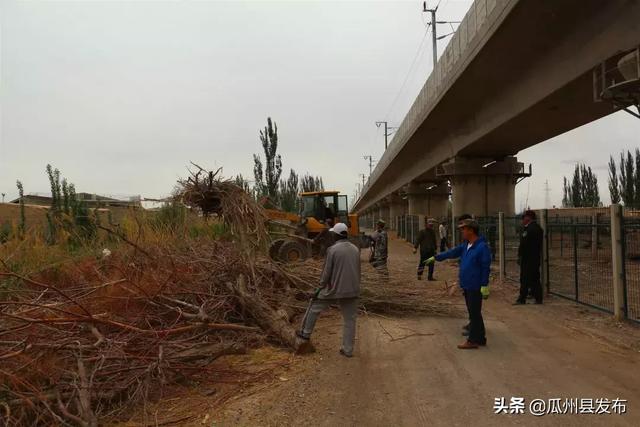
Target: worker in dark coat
(427, 243)
(325, 238)
(529, 257)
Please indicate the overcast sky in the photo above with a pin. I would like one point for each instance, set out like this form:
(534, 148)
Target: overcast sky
(120, 96)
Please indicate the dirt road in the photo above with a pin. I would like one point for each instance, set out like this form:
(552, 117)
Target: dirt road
(408, 371)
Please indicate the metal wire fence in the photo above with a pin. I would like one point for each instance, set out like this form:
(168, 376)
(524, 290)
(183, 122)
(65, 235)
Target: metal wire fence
(408, 227)
(512, 230)
(489, 228)
(631, 253)
(579, 263)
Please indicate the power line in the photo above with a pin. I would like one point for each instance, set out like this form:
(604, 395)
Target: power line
(406, 78)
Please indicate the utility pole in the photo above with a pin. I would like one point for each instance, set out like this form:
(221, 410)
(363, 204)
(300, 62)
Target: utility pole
(363, 176)
(387, 134)
(371, 161)
(3, 197)
(434, 35)
(547, 198)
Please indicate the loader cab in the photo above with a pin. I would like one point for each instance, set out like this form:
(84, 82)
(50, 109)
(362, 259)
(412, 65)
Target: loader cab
(318, 206)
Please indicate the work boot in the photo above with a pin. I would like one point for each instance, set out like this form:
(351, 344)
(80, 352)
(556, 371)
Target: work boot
(345, 354)
(303, 336)
(519, 302)
(467, 345)
(303, 345)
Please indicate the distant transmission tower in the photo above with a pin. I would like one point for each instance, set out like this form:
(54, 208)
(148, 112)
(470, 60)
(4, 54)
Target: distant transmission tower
(547, 192)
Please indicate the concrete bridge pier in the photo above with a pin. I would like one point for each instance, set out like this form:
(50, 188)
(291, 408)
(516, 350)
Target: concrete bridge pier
(397, 207)
(417, 200)
(383, 213)
(429, 199)
(438, 200)
(484, 186)
(369, 218)
(362, 219)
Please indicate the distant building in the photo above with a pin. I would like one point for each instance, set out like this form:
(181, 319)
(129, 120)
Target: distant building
(91, 200)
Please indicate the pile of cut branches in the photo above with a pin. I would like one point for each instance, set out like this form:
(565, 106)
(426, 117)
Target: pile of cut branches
(92, 337)
(211, 195)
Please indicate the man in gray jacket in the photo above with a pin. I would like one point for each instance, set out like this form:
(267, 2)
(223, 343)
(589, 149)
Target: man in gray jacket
(339, 284)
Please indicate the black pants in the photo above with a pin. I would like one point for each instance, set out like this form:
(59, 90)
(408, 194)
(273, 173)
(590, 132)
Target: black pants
(423, 260)
(476, 323)
(443, 244)
(530, 281)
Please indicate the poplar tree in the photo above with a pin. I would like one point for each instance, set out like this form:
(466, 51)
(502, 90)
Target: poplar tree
(627, 178)
(311, 183)
(614, 183)
(582, 190)
(289, 192)
(267, 175)
(23, 217)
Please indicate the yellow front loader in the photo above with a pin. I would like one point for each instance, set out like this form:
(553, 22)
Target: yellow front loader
(304, 239)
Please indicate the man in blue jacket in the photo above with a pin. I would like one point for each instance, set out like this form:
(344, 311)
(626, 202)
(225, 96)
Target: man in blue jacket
(475, 265)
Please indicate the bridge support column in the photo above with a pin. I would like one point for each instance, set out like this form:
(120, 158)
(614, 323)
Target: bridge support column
(369, 218)
(484, 186)
(438, 200)
(397, 207)
(418, 203)
(429, 199)
(362, 219)
(383, 214)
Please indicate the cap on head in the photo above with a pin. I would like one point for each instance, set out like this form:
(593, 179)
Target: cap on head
(531, 214)
(469, 223)
(381, 222)
(340, 228)
(463, 217)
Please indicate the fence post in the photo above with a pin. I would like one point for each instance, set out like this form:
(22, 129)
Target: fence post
(617, 262)
(501, 248)
(545, 250)
(594, 235)
(453, 230)
(574, 239)
(421, 219)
